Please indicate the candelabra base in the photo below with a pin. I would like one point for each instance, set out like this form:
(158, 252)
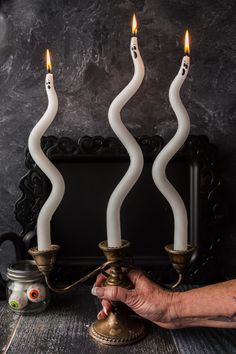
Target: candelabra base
(180, 261)
(120, 327)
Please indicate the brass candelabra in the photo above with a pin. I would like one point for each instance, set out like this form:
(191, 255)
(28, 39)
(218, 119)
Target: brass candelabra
(120, 327)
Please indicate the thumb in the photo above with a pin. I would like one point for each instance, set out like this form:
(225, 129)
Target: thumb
(112, 293)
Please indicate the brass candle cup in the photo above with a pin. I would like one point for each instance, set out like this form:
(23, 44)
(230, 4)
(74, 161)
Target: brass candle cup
(180, 261)
(45, 260)
(120, 327)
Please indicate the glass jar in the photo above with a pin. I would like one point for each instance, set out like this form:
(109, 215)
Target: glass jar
(26, 289)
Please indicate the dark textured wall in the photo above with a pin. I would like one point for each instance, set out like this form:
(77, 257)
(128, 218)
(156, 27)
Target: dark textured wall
(89, 41)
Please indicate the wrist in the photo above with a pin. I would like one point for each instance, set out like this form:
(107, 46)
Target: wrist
(174, 311)
(171, 307)
(176, 306)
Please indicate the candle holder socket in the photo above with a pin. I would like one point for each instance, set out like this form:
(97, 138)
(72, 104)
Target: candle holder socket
(45, 260)
(180, 261)
(119, 328)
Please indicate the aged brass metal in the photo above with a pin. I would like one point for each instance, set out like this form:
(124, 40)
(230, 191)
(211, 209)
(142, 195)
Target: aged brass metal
(180, 261)
(45, 260)
(120, 327)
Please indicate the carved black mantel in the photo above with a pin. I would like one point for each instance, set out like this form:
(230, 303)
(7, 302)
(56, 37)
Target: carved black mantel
(207, 211)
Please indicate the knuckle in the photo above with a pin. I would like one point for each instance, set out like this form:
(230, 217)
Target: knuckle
(132, 299)
(114, 293)
(117, 293)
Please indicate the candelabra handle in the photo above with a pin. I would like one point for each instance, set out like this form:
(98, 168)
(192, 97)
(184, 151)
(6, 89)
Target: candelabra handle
(117, 264)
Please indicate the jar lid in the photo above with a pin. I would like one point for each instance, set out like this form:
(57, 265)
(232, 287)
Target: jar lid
(25, 271)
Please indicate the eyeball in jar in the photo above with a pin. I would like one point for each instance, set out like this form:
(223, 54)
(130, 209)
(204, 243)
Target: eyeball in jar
(18, 298)
(36, 292)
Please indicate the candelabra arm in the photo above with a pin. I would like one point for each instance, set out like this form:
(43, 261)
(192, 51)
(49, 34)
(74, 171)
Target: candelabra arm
(67, 288)
(45, 261)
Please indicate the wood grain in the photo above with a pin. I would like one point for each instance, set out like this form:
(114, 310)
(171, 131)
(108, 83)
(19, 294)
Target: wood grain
(8, 324)
(205, 340)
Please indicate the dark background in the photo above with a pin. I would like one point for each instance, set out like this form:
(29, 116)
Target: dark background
(89, 41)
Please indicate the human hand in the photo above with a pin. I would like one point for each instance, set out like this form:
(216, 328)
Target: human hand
(146, 299)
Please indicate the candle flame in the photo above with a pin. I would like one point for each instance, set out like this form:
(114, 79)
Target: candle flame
(186, 43)
(134, 25)
(49, 65)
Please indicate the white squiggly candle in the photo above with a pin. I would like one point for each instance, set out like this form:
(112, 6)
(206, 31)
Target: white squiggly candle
(132, 147)
(162, 159)
(56, 179)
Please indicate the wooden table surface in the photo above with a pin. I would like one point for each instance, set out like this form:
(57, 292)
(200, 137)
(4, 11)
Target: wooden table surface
(63, 328)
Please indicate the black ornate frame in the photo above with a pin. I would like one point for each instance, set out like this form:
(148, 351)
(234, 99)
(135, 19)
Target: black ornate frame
(206, 191)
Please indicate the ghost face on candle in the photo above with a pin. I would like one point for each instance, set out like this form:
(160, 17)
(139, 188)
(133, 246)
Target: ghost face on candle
(137, 60)
(182, 74)
(184, 68)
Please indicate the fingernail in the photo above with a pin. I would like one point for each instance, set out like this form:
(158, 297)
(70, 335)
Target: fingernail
(105, 311)
(99, 315)
(97, 291)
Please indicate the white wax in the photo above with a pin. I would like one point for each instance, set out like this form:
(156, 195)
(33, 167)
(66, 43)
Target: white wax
(56, 179)
(132, 147)
(162, 159)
